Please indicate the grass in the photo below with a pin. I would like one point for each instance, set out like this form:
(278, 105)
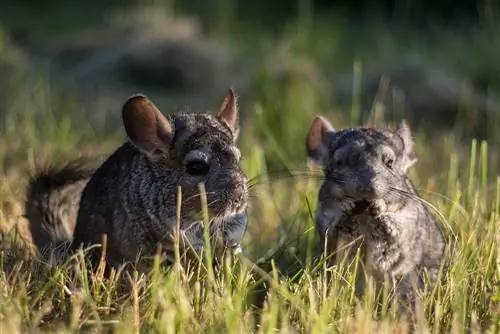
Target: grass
(279, 284)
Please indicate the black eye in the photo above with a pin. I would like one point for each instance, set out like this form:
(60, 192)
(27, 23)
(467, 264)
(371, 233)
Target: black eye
(338, 163)
(197, 167)
(389, 161)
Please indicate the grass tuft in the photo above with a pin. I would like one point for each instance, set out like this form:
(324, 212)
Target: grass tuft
(279, 283)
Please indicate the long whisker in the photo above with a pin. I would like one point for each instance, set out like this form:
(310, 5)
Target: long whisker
(253, 184)
(285, 174)
(430, 205)
(460, 208)
(199, 195)
(415, 197)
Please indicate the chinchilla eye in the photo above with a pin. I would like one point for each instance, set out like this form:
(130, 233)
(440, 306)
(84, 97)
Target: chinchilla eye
(338, 162)
(197, 167)
(388, 160)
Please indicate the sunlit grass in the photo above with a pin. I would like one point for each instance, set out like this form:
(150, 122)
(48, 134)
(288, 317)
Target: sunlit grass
(279, 283)
(289, 290)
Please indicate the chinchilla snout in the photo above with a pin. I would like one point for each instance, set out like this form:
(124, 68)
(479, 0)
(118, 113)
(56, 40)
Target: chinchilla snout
(232, 192)
(239, 195)
(234, 229)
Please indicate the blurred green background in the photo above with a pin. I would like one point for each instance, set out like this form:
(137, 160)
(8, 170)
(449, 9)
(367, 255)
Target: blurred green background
(66, 67)
(427, 60)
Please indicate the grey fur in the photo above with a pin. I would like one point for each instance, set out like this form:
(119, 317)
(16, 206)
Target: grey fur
(132, 196)
(52, 200)
(366, 195)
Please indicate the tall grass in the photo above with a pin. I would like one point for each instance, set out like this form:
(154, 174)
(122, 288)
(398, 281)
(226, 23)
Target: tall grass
(279, 283)
(289, 290)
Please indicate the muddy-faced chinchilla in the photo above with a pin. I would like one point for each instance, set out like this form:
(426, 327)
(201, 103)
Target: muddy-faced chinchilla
(367, 198)
(132, 198)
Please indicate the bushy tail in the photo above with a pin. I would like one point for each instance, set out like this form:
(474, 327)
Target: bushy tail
(52, 201)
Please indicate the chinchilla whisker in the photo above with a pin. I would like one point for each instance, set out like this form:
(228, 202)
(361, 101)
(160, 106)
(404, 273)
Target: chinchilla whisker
(215, 201)
(460, 208)
(336, 180)
(411, 196)
(198, 195)
(277, 177)
(286, 173)
(426, 203)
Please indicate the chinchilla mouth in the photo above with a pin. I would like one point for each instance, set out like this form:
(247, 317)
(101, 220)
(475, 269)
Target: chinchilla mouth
(360, 206)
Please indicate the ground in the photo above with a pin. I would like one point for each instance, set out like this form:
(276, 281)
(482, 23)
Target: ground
(447, 86)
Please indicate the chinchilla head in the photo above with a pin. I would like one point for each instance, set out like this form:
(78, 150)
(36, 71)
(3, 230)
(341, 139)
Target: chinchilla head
(362, 163)
(183, 150)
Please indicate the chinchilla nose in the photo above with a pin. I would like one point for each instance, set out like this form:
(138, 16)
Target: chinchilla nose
(237, 191)
(239, 197)
(367, 183)
(367, 191)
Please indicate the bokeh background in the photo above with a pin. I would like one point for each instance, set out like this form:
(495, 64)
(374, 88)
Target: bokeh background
(66, 68)
(434, 62)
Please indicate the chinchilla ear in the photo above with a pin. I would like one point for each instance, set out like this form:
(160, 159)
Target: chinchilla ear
(317, 139)
(145, 125)
(229, 112)
(409, 156)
